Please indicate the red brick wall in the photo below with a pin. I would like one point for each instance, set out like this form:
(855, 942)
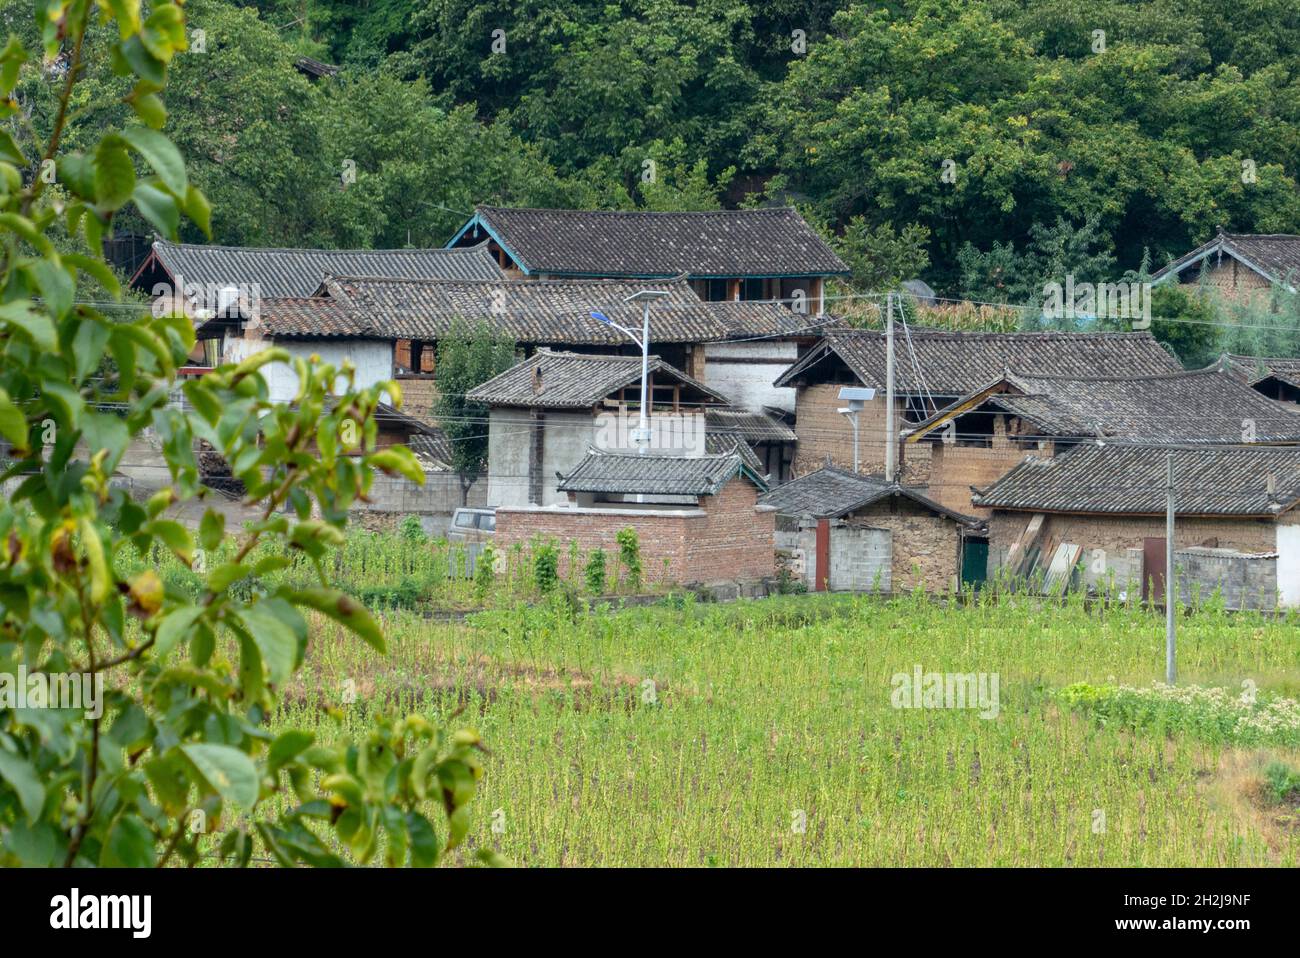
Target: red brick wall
(727, 539)
(734, 542)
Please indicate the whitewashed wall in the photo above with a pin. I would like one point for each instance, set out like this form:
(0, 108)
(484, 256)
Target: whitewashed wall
(744, 372)
(373, 359)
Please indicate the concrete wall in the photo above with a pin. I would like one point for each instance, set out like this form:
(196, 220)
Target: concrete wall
(527, 449)
(744, 372)
(373, 359)
(1243, 581)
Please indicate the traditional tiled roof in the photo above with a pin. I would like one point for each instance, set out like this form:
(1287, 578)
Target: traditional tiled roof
(432, 449)
(1275, 256)
(1130, 479)
(749, 425)
(717, 243)
(1205, 405)
(1255, 368)
(956, 363)
(543, 311)
(830, 493)
(618, 474)
(298, 272)
(562, 380)
(727, 443)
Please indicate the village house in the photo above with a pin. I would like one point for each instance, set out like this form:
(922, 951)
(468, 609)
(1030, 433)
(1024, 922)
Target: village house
(390, 328)
(546, 414)
(727, 256)
(195, 276)
(697, 518)
(1276, 378)
(934, 368)
(983, 435)
(1094, 517)
(1239, 266)
(843, 531)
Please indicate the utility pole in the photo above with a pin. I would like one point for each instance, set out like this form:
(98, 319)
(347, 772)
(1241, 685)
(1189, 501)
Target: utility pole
(645, 297)
(643, 424)
(891, 434)
(1170, 671)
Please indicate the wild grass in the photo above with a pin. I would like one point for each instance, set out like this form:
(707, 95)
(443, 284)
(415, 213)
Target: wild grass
(762, 733)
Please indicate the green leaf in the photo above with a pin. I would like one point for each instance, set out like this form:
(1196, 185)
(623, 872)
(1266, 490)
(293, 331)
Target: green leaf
(129, 845)
(13, 424)
(114, 173)
(345, 610)
(175, 536)
(199, 210)
(76, 171)
(88, 347)
(36, 325)
(425, 846)
(100, 580)
(149, 107)
(21, 776)
(9, 149)
(144, 64)
(161, 154)
(276, 638)
(173, 628)
(398, 460)
(225, 770)
(158, 208)
(56, 286)
(211, 529)
(288, 746)
(104, 431)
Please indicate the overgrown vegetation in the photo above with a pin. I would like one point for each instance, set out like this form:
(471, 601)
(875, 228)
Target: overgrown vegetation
(695, 733)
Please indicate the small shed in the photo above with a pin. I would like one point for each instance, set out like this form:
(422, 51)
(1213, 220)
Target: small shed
(843, 531)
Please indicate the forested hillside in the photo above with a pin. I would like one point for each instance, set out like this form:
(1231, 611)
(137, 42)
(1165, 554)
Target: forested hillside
(954, 140)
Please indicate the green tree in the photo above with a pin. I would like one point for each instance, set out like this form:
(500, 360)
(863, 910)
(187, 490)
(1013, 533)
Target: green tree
(177, 729)
(468, 357)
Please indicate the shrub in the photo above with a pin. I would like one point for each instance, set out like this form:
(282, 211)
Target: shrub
(629, 556)
(546, 566)
(411, 530)
(595, 572)
(485, 573)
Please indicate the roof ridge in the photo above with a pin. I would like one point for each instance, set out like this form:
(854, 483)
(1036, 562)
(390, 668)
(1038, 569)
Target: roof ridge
(312, 249)
(1062, 377)
(572, 212)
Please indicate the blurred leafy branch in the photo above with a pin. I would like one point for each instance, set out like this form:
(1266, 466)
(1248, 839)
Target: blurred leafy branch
(176, 764)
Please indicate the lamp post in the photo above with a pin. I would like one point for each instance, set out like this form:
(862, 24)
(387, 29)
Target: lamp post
(856, 396)
(645, 297)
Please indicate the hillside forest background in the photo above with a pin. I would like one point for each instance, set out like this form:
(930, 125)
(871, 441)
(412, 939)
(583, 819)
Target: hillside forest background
(982, 145)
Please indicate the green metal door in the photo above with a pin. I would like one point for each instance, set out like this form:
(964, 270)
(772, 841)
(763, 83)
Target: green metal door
(974, 562)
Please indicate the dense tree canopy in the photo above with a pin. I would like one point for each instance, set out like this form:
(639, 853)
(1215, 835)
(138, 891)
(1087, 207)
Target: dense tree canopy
(930, 135)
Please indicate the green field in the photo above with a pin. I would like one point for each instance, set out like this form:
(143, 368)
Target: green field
(763, 732)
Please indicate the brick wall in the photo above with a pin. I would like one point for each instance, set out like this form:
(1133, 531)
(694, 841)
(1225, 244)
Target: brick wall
(419, 393)
(736, 540)
(1235, 281)
(955, 468)
(726, 539)
(824, 432)
(1112, 545)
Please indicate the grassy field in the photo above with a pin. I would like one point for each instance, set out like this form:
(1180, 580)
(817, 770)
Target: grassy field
(765, 732)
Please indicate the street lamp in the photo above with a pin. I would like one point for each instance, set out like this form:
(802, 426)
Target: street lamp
(645, 297)
(856, 397)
